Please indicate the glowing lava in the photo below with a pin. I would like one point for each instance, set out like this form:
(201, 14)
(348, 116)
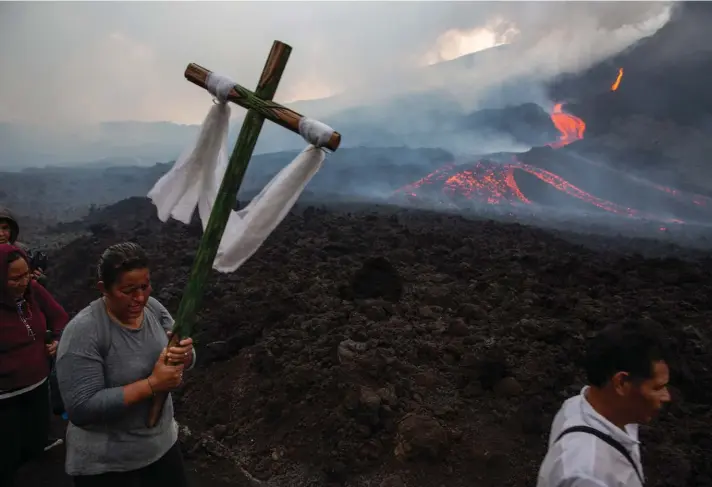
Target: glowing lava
(570, 126)
(486, 181)
(483, 181)
(682, 196)
(617, 82)
(494, 183)
(695, 199)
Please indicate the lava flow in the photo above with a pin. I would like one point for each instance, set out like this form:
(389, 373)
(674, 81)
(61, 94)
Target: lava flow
(617, 82)
(494, 183)
(682, 196)
(570, 126)
(483, 181)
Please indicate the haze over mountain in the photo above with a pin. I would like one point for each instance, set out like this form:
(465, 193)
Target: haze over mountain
(637, 149)
(423, 95)
(407, 322)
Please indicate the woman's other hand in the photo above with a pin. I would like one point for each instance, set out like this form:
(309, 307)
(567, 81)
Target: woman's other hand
(52, 348)
(165, 377)
(182, 353)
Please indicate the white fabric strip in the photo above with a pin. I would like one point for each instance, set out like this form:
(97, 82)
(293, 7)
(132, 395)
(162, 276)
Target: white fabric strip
(315, 132)
(196, 177)
(177, 193)
(219, 86)
(248, 228)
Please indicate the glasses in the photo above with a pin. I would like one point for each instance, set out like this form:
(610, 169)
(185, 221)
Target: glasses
(18, 279)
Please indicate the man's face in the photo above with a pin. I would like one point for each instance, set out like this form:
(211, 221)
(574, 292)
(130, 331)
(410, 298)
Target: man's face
(647, 397)
(5, 231)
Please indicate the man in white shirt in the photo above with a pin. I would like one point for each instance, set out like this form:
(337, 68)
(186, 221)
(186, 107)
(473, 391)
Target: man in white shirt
(594, 436)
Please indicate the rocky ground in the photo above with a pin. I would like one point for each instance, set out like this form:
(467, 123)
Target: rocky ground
(387, 349)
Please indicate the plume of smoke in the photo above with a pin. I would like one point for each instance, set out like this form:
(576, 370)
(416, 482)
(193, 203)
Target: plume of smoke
(537, 41)
(366, 51)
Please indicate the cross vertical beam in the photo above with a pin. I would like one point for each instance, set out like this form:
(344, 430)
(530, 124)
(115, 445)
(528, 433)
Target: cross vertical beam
(224, 203)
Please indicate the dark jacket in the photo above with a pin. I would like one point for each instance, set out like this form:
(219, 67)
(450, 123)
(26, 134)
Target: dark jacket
(24, 360)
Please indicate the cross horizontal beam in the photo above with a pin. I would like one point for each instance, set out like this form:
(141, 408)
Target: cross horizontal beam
(270, 110)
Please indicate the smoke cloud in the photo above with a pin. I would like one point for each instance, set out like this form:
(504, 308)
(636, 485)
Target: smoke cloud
(76, 63)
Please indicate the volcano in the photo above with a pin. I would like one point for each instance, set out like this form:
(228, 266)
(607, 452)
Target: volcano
(510, 182)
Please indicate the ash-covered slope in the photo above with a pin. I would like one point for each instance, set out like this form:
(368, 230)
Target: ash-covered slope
(364, 345)
(658, 120)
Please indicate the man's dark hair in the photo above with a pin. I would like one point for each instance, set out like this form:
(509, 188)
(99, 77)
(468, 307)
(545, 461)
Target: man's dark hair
(623, 348)
(120, 258)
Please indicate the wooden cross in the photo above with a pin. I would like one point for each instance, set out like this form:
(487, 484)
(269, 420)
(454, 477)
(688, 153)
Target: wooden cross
(259, 107)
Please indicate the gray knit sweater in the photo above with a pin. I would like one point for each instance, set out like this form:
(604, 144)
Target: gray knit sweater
(96, 358)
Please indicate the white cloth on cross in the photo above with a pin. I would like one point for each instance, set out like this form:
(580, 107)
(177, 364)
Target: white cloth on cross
(195, 179)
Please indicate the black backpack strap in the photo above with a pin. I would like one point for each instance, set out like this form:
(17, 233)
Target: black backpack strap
(608, 439)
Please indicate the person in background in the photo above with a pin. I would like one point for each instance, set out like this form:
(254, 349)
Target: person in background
(9, 232)
(111, 362)
(9, 229)
(27, 312)
(594, 436)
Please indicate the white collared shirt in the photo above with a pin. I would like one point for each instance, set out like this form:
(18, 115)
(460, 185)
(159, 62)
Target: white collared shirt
(582, 459)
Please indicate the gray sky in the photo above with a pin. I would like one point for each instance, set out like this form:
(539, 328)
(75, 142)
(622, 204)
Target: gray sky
(72, 63)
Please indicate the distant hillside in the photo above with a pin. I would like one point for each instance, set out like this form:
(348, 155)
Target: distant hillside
(417, 121)
(66, 193)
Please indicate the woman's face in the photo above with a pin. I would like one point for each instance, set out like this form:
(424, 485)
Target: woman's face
(18, 277)
(5, 231)
(128, 296)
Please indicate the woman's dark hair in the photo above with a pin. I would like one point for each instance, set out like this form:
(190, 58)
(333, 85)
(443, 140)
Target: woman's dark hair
(120, 258)
(623, 348)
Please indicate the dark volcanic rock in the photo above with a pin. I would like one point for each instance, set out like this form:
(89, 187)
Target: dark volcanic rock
(457, 345)
(421, 436)
(377, 278)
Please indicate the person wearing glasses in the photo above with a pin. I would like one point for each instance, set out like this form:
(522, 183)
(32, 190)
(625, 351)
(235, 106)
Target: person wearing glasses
(110, 364)
(31, 321)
